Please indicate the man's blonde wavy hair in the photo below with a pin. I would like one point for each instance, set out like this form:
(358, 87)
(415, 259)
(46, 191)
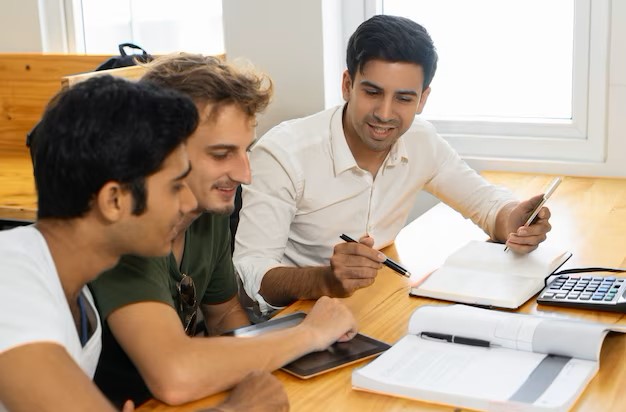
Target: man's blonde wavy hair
(209, 80)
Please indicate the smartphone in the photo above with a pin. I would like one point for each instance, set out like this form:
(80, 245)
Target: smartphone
(553, 185)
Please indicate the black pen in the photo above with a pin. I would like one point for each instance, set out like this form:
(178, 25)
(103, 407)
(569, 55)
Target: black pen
(456, 339)
(388, 262)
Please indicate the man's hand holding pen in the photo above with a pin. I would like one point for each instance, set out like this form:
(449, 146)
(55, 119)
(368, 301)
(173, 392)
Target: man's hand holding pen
(392, 264)
(353, 265)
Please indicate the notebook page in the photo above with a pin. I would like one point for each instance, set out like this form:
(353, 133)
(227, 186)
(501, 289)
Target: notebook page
(491, 257)
(461, 370)
(479, 287)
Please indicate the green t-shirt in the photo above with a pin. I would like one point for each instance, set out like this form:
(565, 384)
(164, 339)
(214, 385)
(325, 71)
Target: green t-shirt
(206, 258)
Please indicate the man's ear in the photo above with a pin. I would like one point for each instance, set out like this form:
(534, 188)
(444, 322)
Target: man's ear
(423, 99)
(346, 85)
(112, 201)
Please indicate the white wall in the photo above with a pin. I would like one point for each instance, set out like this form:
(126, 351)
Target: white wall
(19, 26)
(300, 44)
(617, 92)
(284, 39)
(33, 26)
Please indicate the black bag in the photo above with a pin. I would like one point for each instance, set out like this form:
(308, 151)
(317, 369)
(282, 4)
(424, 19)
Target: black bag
(125, 60)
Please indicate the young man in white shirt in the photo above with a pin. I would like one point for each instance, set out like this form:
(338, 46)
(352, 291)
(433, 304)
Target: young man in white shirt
(110, 165)
(356, 169)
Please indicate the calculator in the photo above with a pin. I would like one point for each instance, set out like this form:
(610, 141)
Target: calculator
(586, 292)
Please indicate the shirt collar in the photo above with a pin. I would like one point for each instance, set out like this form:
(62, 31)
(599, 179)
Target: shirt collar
(342, 156)
(398, 152)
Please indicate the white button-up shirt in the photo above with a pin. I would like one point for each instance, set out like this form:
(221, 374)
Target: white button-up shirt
(307, 189)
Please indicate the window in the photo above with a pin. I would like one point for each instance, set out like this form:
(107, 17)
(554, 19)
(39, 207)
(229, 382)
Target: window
(516, 65)
(159, 26)
(517, 79)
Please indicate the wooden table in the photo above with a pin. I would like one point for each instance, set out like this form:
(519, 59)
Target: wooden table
(18, 199)
(588, 218)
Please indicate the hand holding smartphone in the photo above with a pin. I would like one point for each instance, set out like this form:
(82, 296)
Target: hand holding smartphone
(553, 185)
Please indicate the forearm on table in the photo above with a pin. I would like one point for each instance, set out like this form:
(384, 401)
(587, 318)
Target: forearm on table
(283, 285)
(210, 365)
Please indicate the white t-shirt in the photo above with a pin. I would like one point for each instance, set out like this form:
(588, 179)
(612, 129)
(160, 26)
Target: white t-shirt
(33, 307)
(307, 189)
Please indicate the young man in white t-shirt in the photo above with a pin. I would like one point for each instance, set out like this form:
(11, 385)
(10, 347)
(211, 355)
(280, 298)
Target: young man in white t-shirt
(110, 165)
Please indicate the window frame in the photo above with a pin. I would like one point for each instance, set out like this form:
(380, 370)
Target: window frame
(581, 139)
(72, 25)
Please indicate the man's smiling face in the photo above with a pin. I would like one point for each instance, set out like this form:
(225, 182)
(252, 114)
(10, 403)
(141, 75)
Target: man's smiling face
(218, 152)
(383, 99)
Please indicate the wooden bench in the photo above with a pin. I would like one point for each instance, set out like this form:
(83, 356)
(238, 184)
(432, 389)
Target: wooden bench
(27, 82)
(131, 73)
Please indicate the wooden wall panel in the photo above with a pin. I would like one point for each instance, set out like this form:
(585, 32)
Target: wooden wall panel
(27, 82)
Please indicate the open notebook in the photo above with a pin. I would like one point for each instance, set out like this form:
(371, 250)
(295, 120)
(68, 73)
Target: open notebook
(483, 273)
(516, 362)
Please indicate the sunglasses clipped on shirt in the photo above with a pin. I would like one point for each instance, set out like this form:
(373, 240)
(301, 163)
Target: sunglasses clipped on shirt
(188, 304)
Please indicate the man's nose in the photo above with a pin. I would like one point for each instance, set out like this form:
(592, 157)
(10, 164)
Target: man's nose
(188, 201)
(241, 172)
(384, 110)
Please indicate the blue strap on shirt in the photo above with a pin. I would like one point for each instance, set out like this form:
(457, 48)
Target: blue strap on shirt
(84, 333)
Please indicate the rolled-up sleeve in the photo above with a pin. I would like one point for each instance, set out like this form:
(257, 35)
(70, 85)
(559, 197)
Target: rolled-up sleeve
(269, 206)
(462, 188)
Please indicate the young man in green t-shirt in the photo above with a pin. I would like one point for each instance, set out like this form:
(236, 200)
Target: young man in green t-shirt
(149, 305)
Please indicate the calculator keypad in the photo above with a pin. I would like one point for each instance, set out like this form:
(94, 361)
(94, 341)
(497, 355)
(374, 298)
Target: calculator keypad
(594, 292)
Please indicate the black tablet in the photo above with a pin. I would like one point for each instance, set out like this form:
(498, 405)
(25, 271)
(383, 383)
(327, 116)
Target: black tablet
(338, 355)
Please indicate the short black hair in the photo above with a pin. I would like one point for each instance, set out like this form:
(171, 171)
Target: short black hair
(105, 129)
(392, 39)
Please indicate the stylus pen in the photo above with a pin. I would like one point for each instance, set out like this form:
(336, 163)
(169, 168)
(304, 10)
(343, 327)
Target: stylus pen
(553, 185)
(395, 266)
(456, 339)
